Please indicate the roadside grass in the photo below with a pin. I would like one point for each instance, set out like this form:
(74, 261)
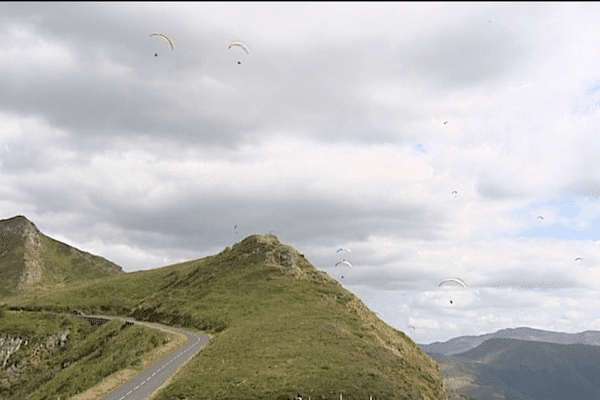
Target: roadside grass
(51, 371)
(39, 325)
(112, 347)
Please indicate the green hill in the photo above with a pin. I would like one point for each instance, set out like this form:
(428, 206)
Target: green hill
(30, 260)
(49, 356)
(280, 327)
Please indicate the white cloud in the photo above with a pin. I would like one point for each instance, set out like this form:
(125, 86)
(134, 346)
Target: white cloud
(330, 133)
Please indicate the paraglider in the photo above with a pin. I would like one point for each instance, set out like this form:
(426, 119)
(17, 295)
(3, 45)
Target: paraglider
(455, 280)
(167, 39)
(343, 262)
(446, 122)
(540, 218)
(454, 193)
(451, 282)
(242, 46)
(342, 249)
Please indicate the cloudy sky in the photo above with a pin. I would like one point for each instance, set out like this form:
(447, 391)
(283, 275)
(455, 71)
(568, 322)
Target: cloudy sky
(432, 140)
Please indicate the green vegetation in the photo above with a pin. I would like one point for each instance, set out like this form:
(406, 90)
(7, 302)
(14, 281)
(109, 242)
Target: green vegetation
(63, 263)
(280, 327)
(31, 261)
(43, 369)
(11, 259)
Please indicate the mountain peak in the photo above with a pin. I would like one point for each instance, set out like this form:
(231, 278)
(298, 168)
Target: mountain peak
(29, 258)
(18, 225)
(278, 255)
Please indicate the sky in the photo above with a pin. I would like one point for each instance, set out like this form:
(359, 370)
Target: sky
(433, 140)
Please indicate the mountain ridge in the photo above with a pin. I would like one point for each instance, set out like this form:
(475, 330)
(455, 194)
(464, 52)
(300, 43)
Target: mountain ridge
(30, 260)
(464, 343)
(522, 369)
(521, 364)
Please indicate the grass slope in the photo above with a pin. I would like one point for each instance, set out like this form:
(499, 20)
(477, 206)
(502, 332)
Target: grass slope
(24, 251)
(281, 327)
(50, 372)
(63, 263)
(12, 251)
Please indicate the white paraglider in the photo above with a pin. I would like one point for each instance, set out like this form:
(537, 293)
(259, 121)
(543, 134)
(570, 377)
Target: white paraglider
(343, 262)
(241, 46)
(449, 281)
(167, 39)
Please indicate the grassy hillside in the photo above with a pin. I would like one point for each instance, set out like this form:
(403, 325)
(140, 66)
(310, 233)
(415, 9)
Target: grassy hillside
(11, 262)
(32, 261)
(281, 327)
(43, 368)
(63, 263)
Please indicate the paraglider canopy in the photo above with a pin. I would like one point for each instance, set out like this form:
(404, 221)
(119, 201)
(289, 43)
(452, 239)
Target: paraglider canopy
(165, 38)
(343, 262)
(241, 46)
(453, 280)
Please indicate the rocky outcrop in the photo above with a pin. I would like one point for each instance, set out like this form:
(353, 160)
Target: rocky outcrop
(12, 371)
(34, 265)
(29, 259)
(9, 345)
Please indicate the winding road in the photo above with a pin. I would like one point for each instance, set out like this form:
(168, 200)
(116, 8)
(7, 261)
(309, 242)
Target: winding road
(151, 379)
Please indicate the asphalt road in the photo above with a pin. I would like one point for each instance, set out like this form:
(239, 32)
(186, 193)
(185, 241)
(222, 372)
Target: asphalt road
(148, 381)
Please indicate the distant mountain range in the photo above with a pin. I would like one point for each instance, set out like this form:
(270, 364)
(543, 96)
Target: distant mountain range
(464, 343)
(31, 260)
(521, 363)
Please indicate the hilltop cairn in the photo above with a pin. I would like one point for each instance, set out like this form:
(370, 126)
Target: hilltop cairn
(34, 265)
